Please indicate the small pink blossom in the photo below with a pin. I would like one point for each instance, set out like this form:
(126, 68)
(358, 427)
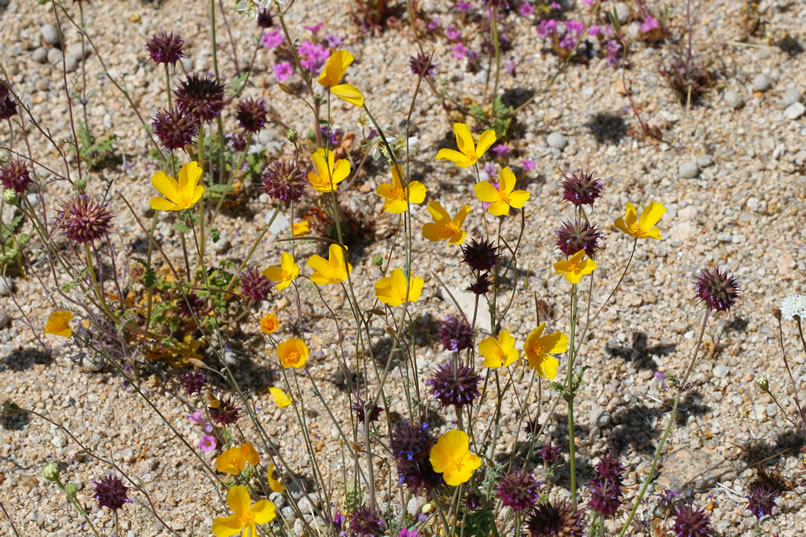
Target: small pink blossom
(510, 66)
(207, 443)
(527, 10)
(459, 51)
(528, 165)
(434, 24)
(282, 71)
(547, 27)
(555, 5)
(314, 56)
(462, 6)
(595, 30)
(334, 41)
(650, 23)
(587, 2)
(197, 417)
(208, 427)
(452, 33)
(314, 29)
(575, 26)
(613, 48)
(272, 39)
(502, 150)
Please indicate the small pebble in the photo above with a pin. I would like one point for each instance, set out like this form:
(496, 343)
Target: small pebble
(557, 141)
(40, 55)
(70, 64)
(734, 99)
(688, 170)
(705, 161)
(790, 97)
(622, 12)
(760, 83)
(794, 111)
(54, 56)
(6, 285)
(5, 320)
(720, 371)
(75, 51)
(50, 35)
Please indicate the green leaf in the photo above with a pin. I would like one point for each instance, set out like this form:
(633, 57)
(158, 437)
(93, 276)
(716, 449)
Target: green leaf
(221, 189)
(181, 227)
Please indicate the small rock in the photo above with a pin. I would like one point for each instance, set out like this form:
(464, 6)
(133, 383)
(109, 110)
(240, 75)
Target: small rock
(40, 55)
(58, 441)
(5, 320)
(50, 35)
(760, 83)
(720, 371)
(622, 12)
(288, 514)
(6, 285)
(794, 111)
(75, 51)
(753, 204)
(599, 416)
(277, 499)
(70, 64)
(688, 170)
(557, 141)
(415, 505)
(790, 97)
(634, 31)
(734, 99)
(299, 528)
(280, 224)
(187, 63)
(221, 246)
(705, 161)
(54, 56)
(231, 358)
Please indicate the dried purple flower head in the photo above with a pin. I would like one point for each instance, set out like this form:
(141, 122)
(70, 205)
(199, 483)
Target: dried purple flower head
(575, 236)
(455, 384)
(193, 381)
(418, 475)
(531, 427)
(165, 48)
(8, 107)
(549, 452)
(111, 492)
(255, 285)
(225, 412)
(761, 500)
(456, 333)
(175, 128)
(561, 519)
(499, 4)
(581, 188)
(518, 489)
(690, 521)
(201, 97)
(15, 175)
(251, 114)
(364, 409)
(481, 285)
(264, 19)
(365, 522)
(472, 501)
(82, 220)
(480, 255)
(284, 180)
(411, 442)
(236, 142)
(190, 305)
(719, 290)
(421, 65)
(605, 488)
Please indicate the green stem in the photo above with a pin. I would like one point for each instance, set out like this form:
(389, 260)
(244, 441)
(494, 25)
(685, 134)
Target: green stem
(569, 396)
(497, 64)
(78, 507)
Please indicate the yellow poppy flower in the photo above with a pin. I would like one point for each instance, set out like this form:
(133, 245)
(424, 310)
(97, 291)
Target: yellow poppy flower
(280, 397)
(329, 172)
(285, 273)
(233, 460)
(645, 227)
(59, 324)
(246, 516)
(503, 197)
(269, 323)
(575, 267)
(274, 484)
(333, 72)
(332, 270)
(499, 351)
(444, 227)
(539, 349)
(395, 196)
(182, 194)
(292, 353)
(452, 458)
(301, 228)
(392, 289)
(469, 153)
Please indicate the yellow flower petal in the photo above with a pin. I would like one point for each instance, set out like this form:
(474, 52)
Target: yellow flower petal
(301, 228)
(293, 353)
(280, 397)
(59, 324)
(264, 511)
(165, 185)
(348, 93)
(485, 191)
(238, 500)
(275, 484)
(335, 67)
(486, 140)
(464, 140)
(518, 198)
(269, 323)
(546, 366)
(417, 192)
(227, 526)
(456, 157)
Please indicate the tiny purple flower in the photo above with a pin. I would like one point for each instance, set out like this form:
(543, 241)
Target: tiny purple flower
(334, 41)
(510, 66)
(459, 51)
(314, 29)
(527, 10)
(272, 39)
(555, 5)
(461, 6)
(502, 150)
(452, 33)
(282, 71)
(207, 443)
(595, 30)
(650, 23)
(196, 417)
(528, 165)
(434, 24)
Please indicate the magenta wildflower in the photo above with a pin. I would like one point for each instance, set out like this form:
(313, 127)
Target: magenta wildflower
(197, 417)
(648, 24)
(313, 56)
(282, 71)
(334, 41)
(434, 24)
(207, 443)
(409, 533)
(459, 51)
(452, 33)
(613, 48)
(528, 165)
(502, 150)
(527, 10)
(315, 28)
(462, 6)
(272, 39)
(594, 30)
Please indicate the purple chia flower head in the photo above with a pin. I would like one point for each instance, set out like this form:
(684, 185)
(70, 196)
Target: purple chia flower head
(338, 520)
(8, 106)
(549, 452)
(201, 97)
(251, 114)
(264, 19)
(605, 488)
(421, 65)
(480, 255)
(165, 48)
(332, 136)
(690, 521)
(482, 284)
(455, 384)
(411, 442)
(456, 333)
(498, 4)
(175, 128)
(581, 188)
(418, 475)
(190, 305)
(518, 489)
(15, 175)
(575, 236)
(237, 142)
(255, 285)
(225, 413)
(561, 519)
(366, 409)
(193, 381)
(111, 492)
(719, 290)
(82, 220)
(283, 180)
(366, 522)
(761, 500)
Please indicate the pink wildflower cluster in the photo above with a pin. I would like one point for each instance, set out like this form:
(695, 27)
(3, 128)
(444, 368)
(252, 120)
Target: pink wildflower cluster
(567, 40)
(313, 56)
(649, 23)
(207, 443)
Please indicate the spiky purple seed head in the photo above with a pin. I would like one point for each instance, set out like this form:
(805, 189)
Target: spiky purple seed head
(761, 500)
(251, 114)
(225, 413)
(255, 285)
(690, 521)
(575, 236)
(518, 490)
(175, 128)
(284, 180)
(201, 97)
(581, 188)
(717, 289)
(82, 220)
(15, 175)
(560, 519)
(480, 255)
(421, 65)
(165, 48)
(193, 381)
(456, 333)
(111, 492)
(455, 384)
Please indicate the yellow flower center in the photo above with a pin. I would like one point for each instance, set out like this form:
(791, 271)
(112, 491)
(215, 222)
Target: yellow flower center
(537, 348)
(398, 194)
(292, 357)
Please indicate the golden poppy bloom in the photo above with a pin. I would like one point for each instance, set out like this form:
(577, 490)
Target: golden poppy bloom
(285, 273)
(329, 171)
(269, 323)
(392, 289)
(233, 460)
(643, 228)
(444, 227)
(504, 196)
(452, 458)
(274, 484)
(182, 194)
(246, 516)
(575, 267)
(333, 72)
(292, 353)
(499, 351)
(280, 397)
(539, 350)
(332, 270)
(396, 198)
(59, 324)
(301, 228)
(469, 153)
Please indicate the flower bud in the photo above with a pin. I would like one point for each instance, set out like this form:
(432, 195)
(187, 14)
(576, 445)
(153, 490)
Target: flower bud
(71, 489)
(51, 471)
(10, 197)
(763, 383)
(81, 185)
(292, 136)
